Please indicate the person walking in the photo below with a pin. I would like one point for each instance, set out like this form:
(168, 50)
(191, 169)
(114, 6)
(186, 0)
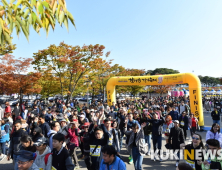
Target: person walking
(215, 114)
(176, 138)
(184, 121)
(192, 124)
(214, 133)
(4, 137)
(136, 144)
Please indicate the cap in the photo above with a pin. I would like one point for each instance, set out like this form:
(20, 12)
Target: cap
(25, 156)
(83, 116)
(86, 124)
(92, 110)
(40, 141)
(176, 121)
(69, 108)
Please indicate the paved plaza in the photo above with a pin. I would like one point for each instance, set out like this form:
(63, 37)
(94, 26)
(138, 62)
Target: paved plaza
(147, 162)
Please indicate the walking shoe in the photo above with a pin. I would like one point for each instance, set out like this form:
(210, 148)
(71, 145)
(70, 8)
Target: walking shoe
(177, 164)
(154, 159)
(130, 157)
(76, 167)
(149, 153)
(2, 157)
(160, 160)
(131, 161)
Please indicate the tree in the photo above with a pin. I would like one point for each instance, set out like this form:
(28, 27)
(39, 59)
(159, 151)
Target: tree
(6, 48)
(21, 14)
(69, 63)
(14, 76)
(162, 71)
(49, 83)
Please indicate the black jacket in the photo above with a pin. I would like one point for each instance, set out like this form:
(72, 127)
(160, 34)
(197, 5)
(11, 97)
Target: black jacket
(176, 137)
(15, 141)
(156, 126)
(185, 120)
(99, 143)
(215, 116)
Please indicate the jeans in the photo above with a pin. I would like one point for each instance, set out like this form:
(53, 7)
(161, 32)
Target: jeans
(217, 121)
(121, 139)
(72, 153)
(148, 141)
(137, 158)
(2, 148)
(157, 140)
(23, 115)
(15, 161)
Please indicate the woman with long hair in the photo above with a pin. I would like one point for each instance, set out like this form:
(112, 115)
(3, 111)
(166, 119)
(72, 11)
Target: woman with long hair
(214, 133)
(197, 144)
(167, 125)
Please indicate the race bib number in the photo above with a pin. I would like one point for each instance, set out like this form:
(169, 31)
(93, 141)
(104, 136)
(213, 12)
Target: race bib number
(96, 152)
(110, 141)
(182, 123)
(191, 163)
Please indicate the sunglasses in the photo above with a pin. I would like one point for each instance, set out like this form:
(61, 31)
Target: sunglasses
(196, 138)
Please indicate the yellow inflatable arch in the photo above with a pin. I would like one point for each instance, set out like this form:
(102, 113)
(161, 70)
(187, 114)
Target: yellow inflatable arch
(189, 78)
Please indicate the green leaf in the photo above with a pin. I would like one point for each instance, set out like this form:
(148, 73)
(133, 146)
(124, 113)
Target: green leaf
(30, 19)
(5, 3)
(39, 21)
(26, 13)
(18, 3)
(61, 17)
(40, 8)
(45, 4)
(12, 1)
(66, 23)
(33, 2)
(8, 38)
(57, 12)
(71, 18)
(34, 17)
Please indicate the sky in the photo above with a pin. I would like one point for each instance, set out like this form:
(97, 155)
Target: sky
(185, 35)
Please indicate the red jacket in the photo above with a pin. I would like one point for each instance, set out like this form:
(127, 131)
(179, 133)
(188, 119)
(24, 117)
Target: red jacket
(7, 109)
(73, 136)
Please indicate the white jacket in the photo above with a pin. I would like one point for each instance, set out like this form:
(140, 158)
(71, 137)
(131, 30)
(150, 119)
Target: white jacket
(40, 159)
(218, 136)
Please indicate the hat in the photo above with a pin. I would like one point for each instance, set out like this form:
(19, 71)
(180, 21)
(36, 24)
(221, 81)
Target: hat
(40, 141)
(69, 109)
(176, 121)
(85, 124)
(83, 116)
(92, 110)
(63, 120)
(60, 116)
(25, 156)
(74, 121)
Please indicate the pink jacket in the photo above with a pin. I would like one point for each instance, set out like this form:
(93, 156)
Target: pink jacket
(73, 136)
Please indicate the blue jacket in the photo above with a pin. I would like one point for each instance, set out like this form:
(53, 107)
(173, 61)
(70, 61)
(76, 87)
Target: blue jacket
(118, 164)
(175, 115)
(5, 128)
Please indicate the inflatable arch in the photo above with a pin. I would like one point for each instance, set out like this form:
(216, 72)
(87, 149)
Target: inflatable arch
(189, 78)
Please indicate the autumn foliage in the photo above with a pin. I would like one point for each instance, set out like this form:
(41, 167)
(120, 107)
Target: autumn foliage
(14, 76)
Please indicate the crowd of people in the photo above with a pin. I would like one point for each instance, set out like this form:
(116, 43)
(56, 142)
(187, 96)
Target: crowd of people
(48, 135)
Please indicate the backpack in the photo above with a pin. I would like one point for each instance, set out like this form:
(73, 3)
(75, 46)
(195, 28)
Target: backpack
(0, 133)
(46, 157)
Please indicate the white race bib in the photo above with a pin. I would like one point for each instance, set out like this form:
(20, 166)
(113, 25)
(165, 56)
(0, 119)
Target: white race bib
(191, 163)
(182, 123)
(96, 152)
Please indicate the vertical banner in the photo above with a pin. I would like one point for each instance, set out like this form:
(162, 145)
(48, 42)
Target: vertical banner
(196, 105)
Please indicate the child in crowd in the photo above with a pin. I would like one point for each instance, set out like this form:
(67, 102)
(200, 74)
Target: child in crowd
(60, 156)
